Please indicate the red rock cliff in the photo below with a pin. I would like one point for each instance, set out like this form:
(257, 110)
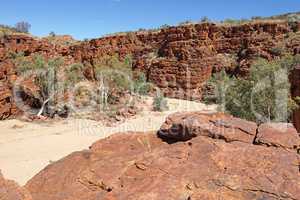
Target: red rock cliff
(179, 60)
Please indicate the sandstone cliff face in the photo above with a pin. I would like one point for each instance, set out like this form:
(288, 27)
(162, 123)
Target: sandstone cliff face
(179, 60)
(201, 156)
(29, 46)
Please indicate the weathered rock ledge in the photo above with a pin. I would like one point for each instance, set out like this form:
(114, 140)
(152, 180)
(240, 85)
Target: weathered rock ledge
(193, 156)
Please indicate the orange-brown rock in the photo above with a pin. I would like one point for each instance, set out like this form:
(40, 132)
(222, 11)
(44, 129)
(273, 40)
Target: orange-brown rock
(142, 166)
(9, 45)
(179, 60)
(278, 135)
(9, 190)
(184, 126)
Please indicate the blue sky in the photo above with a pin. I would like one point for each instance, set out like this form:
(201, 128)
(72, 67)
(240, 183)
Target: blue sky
(95, 18)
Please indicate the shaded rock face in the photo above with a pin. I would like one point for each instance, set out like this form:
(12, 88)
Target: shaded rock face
(295, 82)
(9, 190)
(179, 60)
(142, 166)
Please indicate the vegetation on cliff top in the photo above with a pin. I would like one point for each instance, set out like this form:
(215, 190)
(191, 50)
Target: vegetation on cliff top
(20, 28)
(291, 18)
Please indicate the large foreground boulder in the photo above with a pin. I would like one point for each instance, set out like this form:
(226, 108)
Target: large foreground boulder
(142, 166)
(9, 190)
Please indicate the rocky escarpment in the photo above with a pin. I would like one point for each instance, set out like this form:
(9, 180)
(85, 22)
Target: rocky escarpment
(200, 156)
(179, 60)
(9, 46)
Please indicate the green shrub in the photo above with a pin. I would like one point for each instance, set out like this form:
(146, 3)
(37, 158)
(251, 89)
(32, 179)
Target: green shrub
(52, 34)
(186, 23)
(160, 103)
(235, 21)
(293, 21)
(165, 26)
(45, 74)
(74, 74)
(257, 18)
(118, 75)
(115, 73)
(263, 96)
(141, 86)
(231, 21)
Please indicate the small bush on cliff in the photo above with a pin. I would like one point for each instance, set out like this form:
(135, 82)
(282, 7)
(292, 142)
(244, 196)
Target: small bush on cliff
(263, 96)
(235, 21)
(120, 76)
(115, 73)
(186, 23)
(165, 26)
(141, 86)
(205, 19)
(52, 34)
(277, 51)
(293, 21)
(74, 74)
(231, 21)
(116, 80)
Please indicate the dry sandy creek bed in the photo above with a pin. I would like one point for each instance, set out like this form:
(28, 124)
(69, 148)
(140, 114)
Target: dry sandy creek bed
(26, 148)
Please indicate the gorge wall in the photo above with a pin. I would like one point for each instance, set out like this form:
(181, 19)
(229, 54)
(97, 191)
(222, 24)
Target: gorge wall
(179, 60)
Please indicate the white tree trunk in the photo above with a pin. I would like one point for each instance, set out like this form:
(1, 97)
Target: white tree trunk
(43, 107)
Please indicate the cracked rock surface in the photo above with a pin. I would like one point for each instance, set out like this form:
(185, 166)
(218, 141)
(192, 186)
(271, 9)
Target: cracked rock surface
(217, 159)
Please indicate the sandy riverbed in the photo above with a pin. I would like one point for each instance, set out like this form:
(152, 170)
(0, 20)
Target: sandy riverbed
(26, 148)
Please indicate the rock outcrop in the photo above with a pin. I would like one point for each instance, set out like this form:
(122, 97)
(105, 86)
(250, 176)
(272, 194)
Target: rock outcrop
(217, 159)
(295, 82)
(9, 46)
(9, 190)
(278, 135)
(179, 60)
(184, 126)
